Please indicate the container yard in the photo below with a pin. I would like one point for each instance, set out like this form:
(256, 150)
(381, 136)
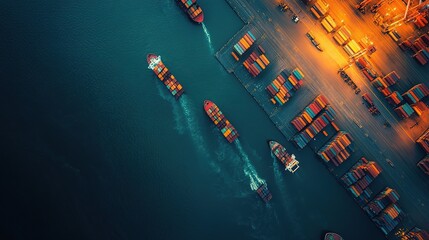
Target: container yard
(417, 48)
(309, 113)
(256, 62)
(416, 93)
(381, 201)
(334, 146)
(319, 123)
(283, 86)
(338, 149)
(226, 54)
(360, 177)
(389, 218)
(243, 44)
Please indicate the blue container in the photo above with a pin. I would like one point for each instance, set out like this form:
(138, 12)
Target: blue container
(251, 35)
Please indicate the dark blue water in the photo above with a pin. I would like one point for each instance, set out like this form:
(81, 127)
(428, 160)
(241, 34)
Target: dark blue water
(96, 148)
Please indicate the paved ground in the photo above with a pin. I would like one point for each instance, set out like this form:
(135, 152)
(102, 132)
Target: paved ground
(292, 49)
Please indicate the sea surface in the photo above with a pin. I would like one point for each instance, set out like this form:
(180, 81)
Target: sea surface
(95, 147)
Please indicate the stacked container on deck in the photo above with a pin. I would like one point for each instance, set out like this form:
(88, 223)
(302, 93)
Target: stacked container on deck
(168, 79)
(309, 113)
(194, 10)
(256, 62)
(338, 149)
(381, 201)
(359, 177)
(283, 86)
(188, 3)
(305, 136)
(389, 218)
(243, 44)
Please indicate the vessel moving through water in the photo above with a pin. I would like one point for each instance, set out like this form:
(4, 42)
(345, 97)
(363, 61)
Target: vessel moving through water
(291, 164)
(220, 121)
(193, 10)
(264, 193)
(332, 236)
(164, 75)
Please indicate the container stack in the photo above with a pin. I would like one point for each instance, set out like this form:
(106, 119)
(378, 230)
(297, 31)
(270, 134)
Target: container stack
(404, 111)
(424, 164)
(389, 218)
(360, 176)
(419, 108)
(304, 137)
(363, 63)
(329, 24)
(395, 98)
(284, 86)
(309, 113)
(320, 8)
(338, 149)
(194, 10)
(423, 141)
(352, 48)
(422, 56)
(243, 44)
(391, 78)
(416, 93)
(342, 36)
(188, 3)
(420, 21)
(381, 201)
(256, 62)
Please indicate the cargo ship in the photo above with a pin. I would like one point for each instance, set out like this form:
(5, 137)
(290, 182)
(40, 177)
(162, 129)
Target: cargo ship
(291, 164)
(220, 121)
(164, 75)
(333, 236)
(193, 10)
(264, 193)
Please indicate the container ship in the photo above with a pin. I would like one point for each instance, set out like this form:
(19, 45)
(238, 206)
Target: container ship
(220, 121)
(264, 193)
(193, 10)
(164, 75)
(291, 164)
(333, 236)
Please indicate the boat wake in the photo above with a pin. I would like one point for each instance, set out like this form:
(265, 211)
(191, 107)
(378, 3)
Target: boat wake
(206, 32)
(194, 130)
(249, 169)
(281, 184)
(178, 117)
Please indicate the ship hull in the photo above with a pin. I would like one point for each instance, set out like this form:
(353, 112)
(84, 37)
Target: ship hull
(289, 161)
(164, 75)
(194, 11)
(264, 193)
(223, 124)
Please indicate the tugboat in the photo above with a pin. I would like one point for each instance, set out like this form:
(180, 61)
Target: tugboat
(333, 236)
